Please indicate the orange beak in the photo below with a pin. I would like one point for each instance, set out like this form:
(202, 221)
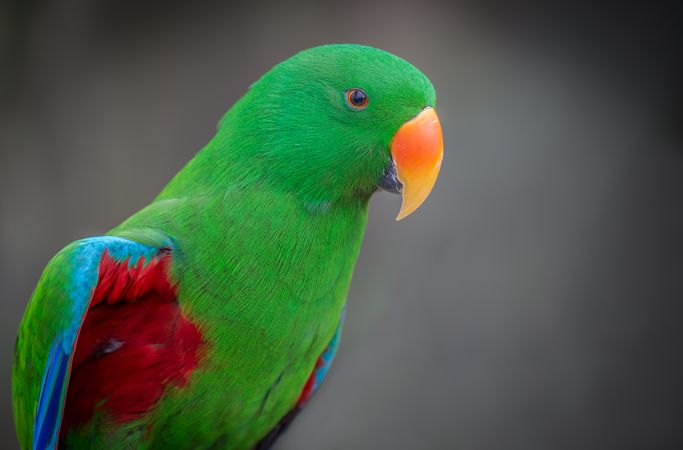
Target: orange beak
(417, 151)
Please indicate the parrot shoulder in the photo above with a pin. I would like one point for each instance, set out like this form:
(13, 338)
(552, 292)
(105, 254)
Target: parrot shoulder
(103, 331)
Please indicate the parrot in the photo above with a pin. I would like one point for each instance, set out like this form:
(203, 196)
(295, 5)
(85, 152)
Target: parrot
(209, 318)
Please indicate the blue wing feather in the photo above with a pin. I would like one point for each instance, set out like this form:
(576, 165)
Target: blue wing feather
(328, 355)
(48, 417)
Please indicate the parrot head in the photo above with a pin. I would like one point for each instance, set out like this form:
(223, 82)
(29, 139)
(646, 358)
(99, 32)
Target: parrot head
(337, 122)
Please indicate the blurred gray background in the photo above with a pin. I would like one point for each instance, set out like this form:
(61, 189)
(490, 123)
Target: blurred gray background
(533, 303)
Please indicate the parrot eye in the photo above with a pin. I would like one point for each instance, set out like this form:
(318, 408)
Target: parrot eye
(357, 99)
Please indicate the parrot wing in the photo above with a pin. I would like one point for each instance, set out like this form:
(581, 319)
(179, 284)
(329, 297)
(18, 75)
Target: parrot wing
(104, 309)
(322, 366)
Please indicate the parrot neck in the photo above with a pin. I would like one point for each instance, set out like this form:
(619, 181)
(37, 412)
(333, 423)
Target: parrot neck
(259, 146)
(226, 165)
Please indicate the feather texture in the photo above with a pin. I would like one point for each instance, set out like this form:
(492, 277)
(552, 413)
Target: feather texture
(210, 317)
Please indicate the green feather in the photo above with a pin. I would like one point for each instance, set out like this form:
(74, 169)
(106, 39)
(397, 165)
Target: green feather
(268, 221)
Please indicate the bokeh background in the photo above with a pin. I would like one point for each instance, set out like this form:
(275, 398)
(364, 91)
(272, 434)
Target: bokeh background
(534, 302)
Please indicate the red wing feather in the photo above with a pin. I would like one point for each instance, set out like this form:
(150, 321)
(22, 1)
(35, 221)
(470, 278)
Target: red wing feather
(134, 342)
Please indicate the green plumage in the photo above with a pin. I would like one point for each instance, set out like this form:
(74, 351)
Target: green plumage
(267, 222)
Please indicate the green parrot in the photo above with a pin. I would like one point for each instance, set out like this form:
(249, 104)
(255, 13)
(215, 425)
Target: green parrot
(209, 318)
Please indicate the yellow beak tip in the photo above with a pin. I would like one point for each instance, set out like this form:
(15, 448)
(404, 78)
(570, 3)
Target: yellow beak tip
(404, 212)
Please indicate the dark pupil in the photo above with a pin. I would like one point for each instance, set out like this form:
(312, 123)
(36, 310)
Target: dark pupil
(357, 98)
